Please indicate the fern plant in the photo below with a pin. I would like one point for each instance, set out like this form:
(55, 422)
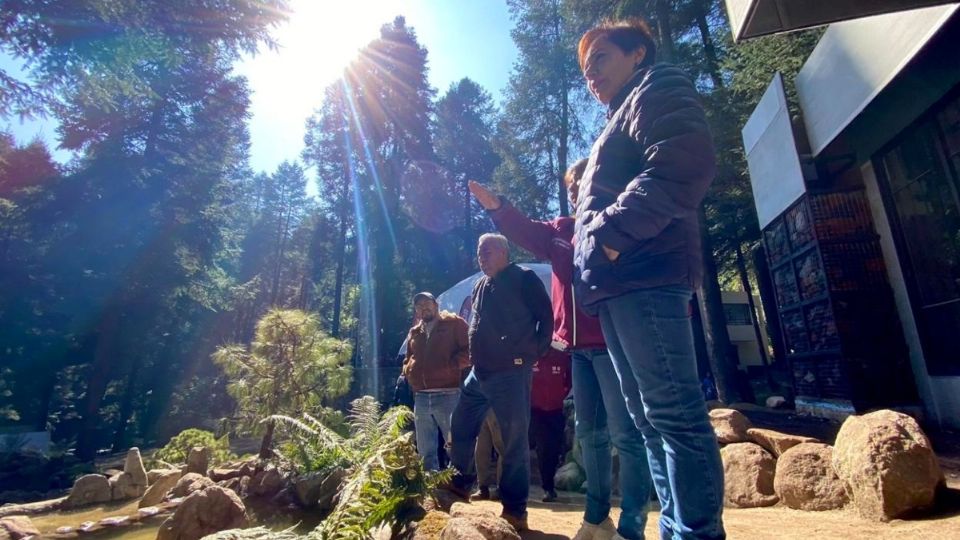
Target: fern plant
(385, 476)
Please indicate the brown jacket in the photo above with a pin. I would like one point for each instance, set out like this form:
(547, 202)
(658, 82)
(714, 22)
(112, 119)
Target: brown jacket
(437, 361)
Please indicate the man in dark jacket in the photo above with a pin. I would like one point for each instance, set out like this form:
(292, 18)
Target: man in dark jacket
(601, 412)
(509, 330)
(437, 352)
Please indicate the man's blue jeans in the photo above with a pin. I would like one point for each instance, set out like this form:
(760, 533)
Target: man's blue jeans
(508, 393)
(602, 418)
(649, 337)
(432, 410)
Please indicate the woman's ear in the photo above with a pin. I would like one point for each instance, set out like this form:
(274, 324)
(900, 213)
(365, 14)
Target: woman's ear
(638, 56)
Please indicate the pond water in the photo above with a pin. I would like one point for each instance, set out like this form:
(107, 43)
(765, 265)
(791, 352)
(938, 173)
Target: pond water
(261, 513)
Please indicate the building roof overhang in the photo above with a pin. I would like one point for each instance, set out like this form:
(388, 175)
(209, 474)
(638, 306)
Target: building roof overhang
(754, 18)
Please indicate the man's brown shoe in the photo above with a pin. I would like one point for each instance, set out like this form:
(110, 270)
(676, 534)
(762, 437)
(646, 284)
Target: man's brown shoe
(518, 522)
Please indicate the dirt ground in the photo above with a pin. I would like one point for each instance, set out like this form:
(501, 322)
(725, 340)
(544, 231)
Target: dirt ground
(560, 521)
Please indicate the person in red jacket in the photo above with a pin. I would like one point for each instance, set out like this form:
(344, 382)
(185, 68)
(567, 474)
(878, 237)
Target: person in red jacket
(551, 384)
(600, 410)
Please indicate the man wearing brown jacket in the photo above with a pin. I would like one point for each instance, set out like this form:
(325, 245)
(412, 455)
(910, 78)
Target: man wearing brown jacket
(437, 353)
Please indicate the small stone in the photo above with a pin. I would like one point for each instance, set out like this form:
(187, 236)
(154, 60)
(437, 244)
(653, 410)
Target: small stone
(775, 442)
(729, 425)
(114, 521)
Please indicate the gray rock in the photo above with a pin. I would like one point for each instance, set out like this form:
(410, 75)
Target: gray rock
(319, 489)
(133, 466)
(158, 488)
(122, 487)
(267, 482)
(569, 477)
(887, 464)
(153, 474)
(190, 483)
(89, 489)
(198, 460)
(204, 512)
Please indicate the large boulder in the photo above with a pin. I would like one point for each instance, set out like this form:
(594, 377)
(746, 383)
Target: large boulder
(490, 526)
(133, 465)
(748, 472)
(460, 529)
(267, 482)
(319, 489)
(775, 442)
(122, 487)
(89, 489)
(569, 477)
(159, 488)
(153, 474)
(224, 473)
(432, 524)
(17, 527)
(805, 479)
(204, 512)
(198, 460)
(729, 425)
(887, 464)
(190, 483)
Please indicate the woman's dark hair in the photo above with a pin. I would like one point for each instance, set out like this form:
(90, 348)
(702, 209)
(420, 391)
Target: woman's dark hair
(574, 172)
(627, 34)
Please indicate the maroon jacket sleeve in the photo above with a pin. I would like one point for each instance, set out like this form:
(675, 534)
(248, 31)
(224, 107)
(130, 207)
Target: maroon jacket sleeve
(533, 236)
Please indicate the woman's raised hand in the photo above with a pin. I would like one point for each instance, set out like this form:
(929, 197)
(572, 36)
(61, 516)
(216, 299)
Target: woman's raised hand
(487, 199)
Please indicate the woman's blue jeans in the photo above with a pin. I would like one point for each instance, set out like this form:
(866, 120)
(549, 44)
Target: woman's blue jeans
(602, 418)
(650, 340)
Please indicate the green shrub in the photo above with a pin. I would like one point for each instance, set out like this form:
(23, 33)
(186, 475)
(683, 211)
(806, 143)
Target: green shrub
(178, 448)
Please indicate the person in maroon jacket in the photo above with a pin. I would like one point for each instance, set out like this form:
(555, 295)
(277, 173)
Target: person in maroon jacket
(600, 411)
(551, 384)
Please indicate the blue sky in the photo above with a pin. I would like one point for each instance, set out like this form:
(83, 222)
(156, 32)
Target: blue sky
(463, 39)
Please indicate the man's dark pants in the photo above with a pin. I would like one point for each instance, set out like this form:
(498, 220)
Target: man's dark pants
(508, 393)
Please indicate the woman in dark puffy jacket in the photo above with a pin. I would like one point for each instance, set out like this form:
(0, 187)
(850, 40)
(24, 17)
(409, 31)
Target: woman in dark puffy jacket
(637, 258)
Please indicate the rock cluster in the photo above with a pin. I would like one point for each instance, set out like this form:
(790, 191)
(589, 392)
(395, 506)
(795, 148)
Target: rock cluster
(882, 464)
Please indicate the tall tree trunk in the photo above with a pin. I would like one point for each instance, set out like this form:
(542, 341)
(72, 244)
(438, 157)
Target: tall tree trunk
(722, 362)
(104, 359)
(709, 50)
(667, 51)
(562, 151)
(267, 441)
(126, 408)
(754, 319)
(341, 263)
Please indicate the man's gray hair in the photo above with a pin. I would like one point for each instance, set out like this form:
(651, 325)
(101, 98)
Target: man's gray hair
(498, 239)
